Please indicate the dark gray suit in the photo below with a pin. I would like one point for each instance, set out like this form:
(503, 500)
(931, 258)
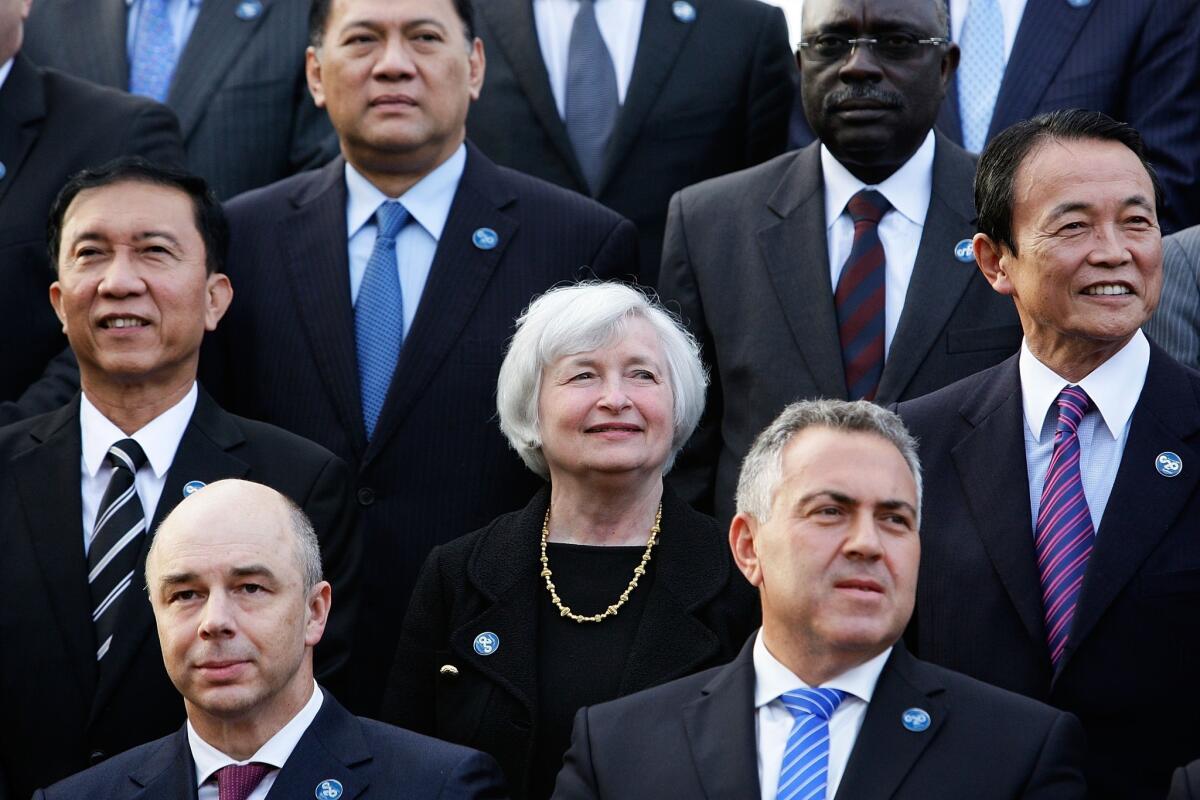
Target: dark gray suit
(239, 88)
(1175, 326)
(745, 257)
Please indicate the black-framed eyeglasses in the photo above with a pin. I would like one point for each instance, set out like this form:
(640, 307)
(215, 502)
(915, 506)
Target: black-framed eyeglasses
(891, 46)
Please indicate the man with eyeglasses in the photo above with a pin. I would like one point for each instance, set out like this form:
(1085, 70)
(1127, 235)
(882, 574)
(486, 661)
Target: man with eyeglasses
(844, 269)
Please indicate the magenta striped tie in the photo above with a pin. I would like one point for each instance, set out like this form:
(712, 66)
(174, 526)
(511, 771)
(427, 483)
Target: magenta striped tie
(1064, 524)
(859, 299)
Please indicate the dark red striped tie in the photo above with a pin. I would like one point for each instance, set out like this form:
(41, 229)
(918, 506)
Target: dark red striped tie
(859, 299)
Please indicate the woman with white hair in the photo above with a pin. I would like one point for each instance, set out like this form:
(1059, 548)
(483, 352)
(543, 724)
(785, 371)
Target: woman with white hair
(605, 583)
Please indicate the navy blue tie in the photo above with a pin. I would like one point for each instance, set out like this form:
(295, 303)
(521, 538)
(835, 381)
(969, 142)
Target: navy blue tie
(379, 314)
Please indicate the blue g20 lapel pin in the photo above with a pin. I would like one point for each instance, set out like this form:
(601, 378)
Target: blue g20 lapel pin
(964, 251)
(915, 719)
(3, 170)
(485, 238)
(683, 11)
(249, 10)
(1168, 464)
(1079, 3)
(191, 487)
(487, 643)
(329, 789)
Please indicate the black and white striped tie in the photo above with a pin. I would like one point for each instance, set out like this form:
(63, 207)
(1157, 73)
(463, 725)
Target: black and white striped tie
(116, 540)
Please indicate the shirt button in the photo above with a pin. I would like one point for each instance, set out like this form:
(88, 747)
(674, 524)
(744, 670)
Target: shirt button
(366, 496)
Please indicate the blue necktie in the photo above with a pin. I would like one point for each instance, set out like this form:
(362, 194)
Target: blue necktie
(154, 55)
(805, 770)
(980, 70)
(592, 100)
(379, 314)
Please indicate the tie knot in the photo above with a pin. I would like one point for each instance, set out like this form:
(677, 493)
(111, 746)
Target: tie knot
(126, 453)
(1073, 403)
(390, 217)
(867, 205)
(237, 781)
(815, 702)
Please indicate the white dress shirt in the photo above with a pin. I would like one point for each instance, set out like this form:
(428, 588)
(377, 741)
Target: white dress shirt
(181, 13)
(428, 204)
(1010, 13)
(5, 68)
(1114, 388)
(908, 190)
(773, 722)
(275, 752)
(620, 23)
(158, 438)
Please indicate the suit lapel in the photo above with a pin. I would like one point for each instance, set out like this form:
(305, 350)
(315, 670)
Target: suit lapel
(1047, 32)
(55, 528)
(990, 461)
(167, 773)
(330, 749)
(216, 41)
(885, 751)
(22, 107)
(796, 255)
(511, 22)
(201, 457)
(719, 726)
(1166, 418)
(938, 279)
(661, 38)
(457, 279)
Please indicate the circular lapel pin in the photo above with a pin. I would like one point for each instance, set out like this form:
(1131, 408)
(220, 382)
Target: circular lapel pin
(1079, 3)
(191, 487)
(329, 789)
(915, 719)
(485, 238)
(683, 11)
(964, 251)
(487, 643)
(3, 170)
(1168, 464)
(249, 10)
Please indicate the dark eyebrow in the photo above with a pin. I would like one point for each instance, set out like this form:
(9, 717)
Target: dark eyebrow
(896, 505)
(847, 500)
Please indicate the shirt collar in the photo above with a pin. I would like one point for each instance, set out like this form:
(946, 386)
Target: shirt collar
(1114, 386)
(772, 679)
(5, 68)
(159, 438)
(274, 752)
(427, 201)
(908, 189)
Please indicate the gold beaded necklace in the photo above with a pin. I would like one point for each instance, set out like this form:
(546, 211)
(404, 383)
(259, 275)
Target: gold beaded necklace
(638, 572)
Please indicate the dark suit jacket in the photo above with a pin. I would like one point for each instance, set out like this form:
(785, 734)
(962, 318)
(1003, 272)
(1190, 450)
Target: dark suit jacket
(368, 758)
(239, 87)
(60, 712)
(1135, 60)
(437, 466)
(706, 97)
(51, 126)
(695, 738)
(698, 612)
(746, 260)
(979, 607)
(1185, 785)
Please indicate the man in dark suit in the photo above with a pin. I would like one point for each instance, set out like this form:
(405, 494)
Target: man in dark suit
(138, 250)
(1175, 325)
(237, 84)
(698, 89)
(381, 336)
(42, 114)
(234, 577)
(824, 701)
(753, 258)
(1060, 555)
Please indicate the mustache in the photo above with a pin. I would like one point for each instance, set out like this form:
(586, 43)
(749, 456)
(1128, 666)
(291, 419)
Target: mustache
(862, 91)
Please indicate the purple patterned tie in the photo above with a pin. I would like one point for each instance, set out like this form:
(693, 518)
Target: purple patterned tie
(859, 299)
(236, 782)
(1064, 524)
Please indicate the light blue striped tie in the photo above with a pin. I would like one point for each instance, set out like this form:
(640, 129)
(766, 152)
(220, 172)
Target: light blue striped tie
(592, 101)
(805, 771)
(154, 55)
(980, 70)
(379, 314)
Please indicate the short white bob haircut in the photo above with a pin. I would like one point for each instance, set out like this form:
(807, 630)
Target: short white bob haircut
(762, 469)
(578, 318)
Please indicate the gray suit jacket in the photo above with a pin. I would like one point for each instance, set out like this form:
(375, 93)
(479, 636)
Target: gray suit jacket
(1175, 326)
(745, 258)
(239, 88)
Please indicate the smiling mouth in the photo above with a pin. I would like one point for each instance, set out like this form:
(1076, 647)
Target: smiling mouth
(123, 322)
(613, 427)
(1106, 289)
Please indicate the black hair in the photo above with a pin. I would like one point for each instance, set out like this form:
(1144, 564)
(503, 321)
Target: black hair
(318, 18)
